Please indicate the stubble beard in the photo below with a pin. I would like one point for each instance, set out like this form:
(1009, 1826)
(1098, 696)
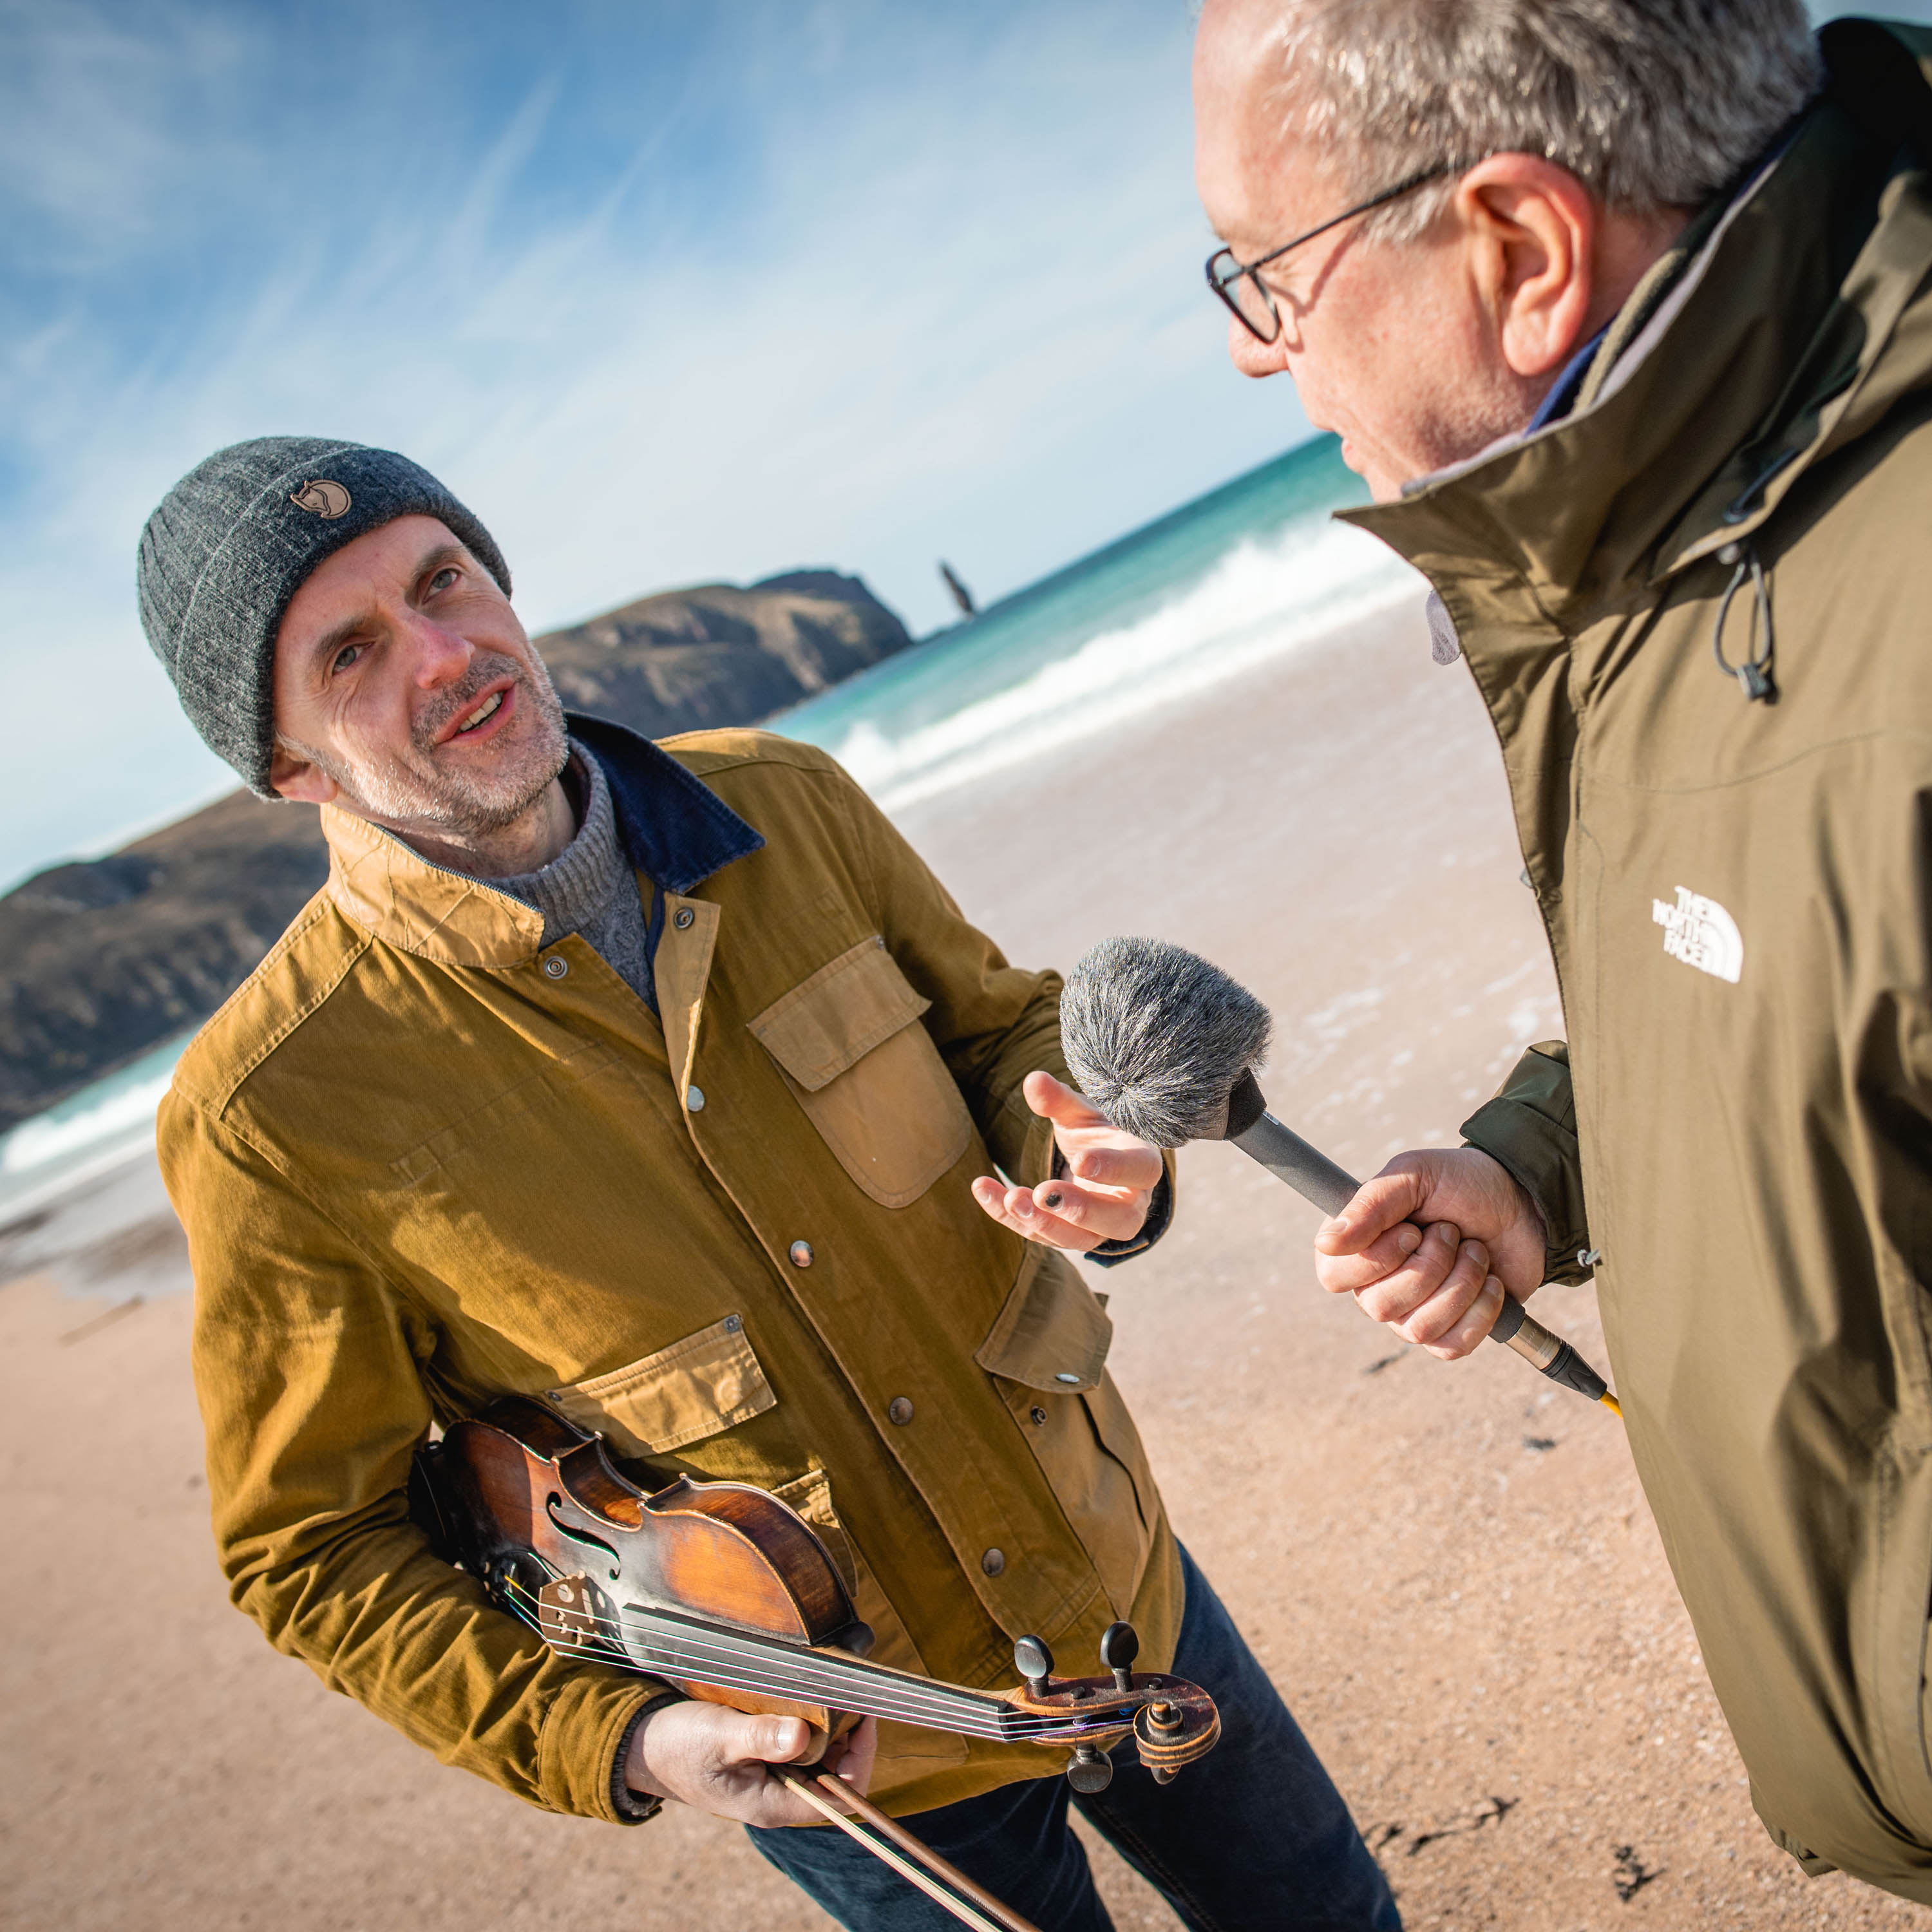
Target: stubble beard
(1490, 406)
(412, 791)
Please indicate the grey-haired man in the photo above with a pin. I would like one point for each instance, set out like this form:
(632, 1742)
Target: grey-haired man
(1620, 306)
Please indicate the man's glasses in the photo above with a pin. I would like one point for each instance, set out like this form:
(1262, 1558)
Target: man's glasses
(1239, 285)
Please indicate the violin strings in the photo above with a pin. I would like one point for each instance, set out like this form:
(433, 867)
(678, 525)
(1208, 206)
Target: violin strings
(863, 1698)
(834, 1680)
(724, 1680)
(697, 1647)
(747, 1672)
(727, 1679)
(943, 1708)
(859, 1704)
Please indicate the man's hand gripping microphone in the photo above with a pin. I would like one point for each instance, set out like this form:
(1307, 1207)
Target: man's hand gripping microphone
(1166, 1046)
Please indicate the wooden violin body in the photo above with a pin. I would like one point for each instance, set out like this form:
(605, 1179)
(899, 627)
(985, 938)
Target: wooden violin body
(725, 1591)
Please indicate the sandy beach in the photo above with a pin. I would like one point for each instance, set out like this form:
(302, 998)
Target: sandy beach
(1449, 1570)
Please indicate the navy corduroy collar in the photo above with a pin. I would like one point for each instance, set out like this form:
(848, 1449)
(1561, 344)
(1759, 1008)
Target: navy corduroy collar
(676, 830)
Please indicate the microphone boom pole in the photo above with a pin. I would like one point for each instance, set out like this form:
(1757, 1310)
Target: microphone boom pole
(1165, 1045)
(1315, 1177)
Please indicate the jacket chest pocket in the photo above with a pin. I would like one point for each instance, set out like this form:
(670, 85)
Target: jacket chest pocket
(848, 1042)
(705, 1384)
(1048, 1354)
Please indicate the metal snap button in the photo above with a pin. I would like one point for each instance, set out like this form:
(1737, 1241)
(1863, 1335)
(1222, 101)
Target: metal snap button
(733, 1323)
(899, 1410)
(556, 966)
(693, 1099)
(801, 1254)
(993, 1562)
(1038, 1415)
(685, 917)
(1071, 1381)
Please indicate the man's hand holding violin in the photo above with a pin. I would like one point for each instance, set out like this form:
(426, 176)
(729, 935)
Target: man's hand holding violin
(717, 1759)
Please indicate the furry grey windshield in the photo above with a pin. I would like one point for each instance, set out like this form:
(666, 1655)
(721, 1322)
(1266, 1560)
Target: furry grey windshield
(1156, 1036)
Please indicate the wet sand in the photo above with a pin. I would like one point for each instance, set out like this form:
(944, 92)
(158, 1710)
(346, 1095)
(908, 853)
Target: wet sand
(1449, 1569)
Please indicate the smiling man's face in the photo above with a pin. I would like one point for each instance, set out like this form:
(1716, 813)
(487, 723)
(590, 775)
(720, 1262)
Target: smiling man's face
(406, 691)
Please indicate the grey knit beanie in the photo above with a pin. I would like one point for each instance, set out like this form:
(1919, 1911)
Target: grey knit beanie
(231, 543)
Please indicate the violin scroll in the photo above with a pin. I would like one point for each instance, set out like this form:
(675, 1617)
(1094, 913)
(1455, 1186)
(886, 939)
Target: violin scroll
(1173, 1722)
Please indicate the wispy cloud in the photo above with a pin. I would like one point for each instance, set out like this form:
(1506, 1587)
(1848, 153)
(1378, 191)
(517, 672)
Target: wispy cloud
(665, 302)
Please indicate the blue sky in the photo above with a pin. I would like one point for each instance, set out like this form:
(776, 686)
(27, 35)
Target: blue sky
(667, 293)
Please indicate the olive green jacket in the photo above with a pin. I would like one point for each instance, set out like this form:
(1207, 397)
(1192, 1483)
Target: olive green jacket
(1738, 896)
(424, 1162)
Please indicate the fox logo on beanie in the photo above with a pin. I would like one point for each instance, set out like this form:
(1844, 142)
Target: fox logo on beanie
(231, 542)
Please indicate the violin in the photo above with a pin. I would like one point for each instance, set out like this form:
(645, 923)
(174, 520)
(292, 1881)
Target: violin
(726, 1593)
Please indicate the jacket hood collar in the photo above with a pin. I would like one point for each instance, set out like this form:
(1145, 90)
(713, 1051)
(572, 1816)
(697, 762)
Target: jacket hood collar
(1779, 340)
(676, 830)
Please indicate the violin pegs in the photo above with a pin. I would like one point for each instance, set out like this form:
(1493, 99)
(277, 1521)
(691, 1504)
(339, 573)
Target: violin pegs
(1034, 1663)
(1119, 1647)
(1089, 1769)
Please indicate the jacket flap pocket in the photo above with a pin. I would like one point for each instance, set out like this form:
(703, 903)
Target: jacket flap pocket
(1052, 1333)
(708, 1382)
(839, 1015)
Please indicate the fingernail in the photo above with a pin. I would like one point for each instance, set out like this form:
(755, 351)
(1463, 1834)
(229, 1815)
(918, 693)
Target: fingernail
(1477, 1252)
(1053, 1199)
(1025, 1207)
(1409, 1237)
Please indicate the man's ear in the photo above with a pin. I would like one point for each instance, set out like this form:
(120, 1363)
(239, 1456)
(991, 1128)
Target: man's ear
(1533, 228)
(293, 776)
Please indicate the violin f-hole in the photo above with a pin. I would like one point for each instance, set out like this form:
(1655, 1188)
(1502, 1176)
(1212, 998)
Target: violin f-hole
(552, 1503)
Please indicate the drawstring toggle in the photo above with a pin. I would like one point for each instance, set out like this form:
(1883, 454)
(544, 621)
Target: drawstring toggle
(1754, 674)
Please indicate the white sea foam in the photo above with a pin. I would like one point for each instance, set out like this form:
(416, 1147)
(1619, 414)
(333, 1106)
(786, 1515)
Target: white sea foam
(1260, 600)
(126, 1113)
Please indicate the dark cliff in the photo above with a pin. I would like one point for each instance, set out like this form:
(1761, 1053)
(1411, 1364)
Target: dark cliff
(102, 959)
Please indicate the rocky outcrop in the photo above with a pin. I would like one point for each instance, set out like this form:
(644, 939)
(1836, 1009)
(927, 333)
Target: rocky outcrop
(103, 959)
(687, 659)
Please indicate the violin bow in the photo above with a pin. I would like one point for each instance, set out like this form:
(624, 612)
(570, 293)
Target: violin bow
(990, 1916)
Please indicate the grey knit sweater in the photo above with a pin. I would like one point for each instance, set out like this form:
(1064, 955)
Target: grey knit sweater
(589, 887)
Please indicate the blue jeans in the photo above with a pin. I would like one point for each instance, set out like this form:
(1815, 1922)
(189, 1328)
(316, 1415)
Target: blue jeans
(1253, 1838)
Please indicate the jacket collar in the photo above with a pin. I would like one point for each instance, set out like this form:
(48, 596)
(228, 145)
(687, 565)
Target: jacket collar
(676, 830)
(1779, 342)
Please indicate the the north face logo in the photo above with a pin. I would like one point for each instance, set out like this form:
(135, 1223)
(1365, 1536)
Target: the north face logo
(1698, 931)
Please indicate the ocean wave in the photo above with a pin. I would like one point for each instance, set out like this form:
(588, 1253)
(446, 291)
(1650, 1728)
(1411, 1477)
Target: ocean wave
(1260, 600)
(127, 1112)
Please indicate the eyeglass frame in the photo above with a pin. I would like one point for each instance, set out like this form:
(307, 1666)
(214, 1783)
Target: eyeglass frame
(1221, 284)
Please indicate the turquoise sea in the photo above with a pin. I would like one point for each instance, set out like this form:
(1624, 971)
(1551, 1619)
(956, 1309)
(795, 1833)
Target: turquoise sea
(1245, 573)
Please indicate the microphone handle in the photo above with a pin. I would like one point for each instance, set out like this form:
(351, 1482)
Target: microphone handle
(1315, 1177)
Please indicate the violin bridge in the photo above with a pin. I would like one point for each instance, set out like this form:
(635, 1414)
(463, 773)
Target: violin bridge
(574, 1616)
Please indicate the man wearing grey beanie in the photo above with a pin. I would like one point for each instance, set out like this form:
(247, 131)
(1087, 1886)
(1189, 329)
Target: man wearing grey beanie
(663, 1085)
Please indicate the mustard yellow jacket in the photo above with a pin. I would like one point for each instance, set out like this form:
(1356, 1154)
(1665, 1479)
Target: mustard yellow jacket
(424, 1162)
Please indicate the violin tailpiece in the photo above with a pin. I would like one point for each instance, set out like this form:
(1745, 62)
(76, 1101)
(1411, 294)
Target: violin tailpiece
(572, 1614)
